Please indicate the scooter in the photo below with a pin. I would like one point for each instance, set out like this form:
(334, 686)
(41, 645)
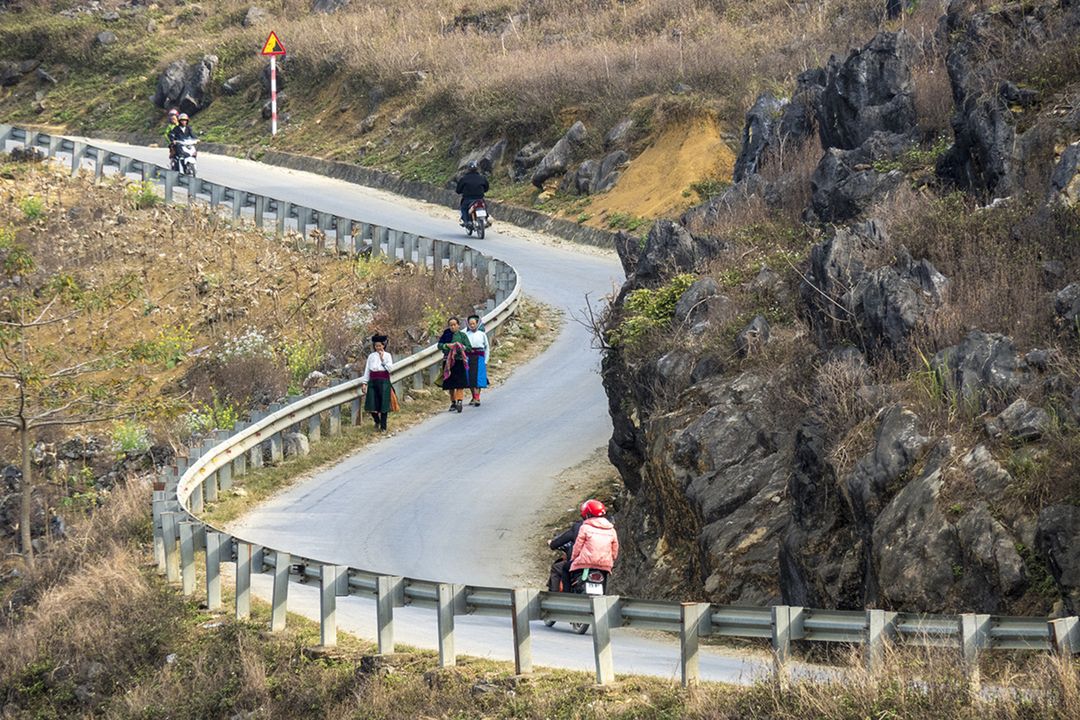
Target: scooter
(478, 219)
(185, 156)
(585, 581)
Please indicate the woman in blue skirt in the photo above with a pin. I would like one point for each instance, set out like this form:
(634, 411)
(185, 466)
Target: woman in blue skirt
(478, 353)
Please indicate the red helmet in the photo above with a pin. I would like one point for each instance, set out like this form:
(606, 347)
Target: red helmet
(592, 508)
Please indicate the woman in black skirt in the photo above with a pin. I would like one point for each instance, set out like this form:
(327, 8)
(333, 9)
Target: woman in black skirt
(375, 383)
(455, 370)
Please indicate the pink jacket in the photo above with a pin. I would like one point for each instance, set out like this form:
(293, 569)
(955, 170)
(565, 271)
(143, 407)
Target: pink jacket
(596, 546)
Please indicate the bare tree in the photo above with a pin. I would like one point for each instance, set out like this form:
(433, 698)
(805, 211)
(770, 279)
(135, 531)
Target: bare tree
(47, 378)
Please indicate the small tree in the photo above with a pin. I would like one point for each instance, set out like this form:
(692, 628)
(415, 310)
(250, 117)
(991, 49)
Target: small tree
(50, 376)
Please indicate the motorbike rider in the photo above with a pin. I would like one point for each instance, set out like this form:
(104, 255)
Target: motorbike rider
(182, 131)
(173, 122)
(471, 187)
(560, 569)
(597, 544)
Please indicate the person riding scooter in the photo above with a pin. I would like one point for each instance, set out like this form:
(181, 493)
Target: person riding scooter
(559, 579)
(174, 116)
(471, 187)
(183, 130)
(597, 543)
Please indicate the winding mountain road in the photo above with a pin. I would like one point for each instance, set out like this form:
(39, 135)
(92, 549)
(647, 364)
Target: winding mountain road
(451, 499)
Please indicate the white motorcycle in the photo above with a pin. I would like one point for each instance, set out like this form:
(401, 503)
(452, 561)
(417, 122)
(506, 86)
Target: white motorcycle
(186, 155)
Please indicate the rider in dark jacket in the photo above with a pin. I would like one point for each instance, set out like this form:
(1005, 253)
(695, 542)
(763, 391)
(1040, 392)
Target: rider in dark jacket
(560, 569)
(182, 131)
(471, 187)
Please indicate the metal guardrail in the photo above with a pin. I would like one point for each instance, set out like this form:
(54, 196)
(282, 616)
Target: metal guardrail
(198, 477)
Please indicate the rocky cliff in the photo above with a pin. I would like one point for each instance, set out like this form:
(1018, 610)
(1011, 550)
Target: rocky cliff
(852, 379)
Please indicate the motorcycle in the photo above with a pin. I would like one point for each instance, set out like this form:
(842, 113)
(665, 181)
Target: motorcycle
(585, 581)
(478, 219)
(185, 156)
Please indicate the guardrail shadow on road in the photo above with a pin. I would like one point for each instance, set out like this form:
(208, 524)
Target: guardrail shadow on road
(198, 477)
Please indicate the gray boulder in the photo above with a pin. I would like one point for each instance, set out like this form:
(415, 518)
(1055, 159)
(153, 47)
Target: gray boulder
(914, 548)
(991, 480)
(802, 114)
(674, 368)
(670, 248)
(105, 37)
(1067, 303)
(752, 338)
(693, 304)
(170, 85)
(525, 160)
(197, 95)
(1021, 421)
(328, 6)
(10, 74)
(596, 176)
(255, 16)
(887, 304)
(760, 134)
(558, 159)
(870, 91)
(845, 183)
(233, 85)
(619, 133)
(296, 445)
(486, 158)
(1065, 182)
(983, 369)
(897, 445)
(1056, 539)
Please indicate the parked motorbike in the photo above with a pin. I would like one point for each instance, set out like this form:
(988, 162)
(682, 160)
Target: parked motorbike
(586, 581)
(185, 156)
(478, 219)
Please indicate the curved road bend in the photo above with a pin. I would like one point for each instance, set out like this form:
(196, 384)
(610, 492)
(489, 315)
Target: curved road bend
(449, 499)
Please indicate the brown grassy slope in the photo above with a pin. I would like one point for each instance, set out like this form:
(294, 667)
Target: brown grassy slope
(436, 80)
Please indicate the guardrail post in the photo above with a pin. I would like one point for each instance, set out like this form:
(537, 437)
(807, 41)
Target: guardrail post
(157, 507)
(5, 135)
(284, 210)
(524, 606)
(196, 498)
(217, 193)
(170, 184)
(54, 145)
(333, 421)
(172, 556)
(315, 428)
(786, 626)
(974, 637)
(260, 210)
(187, 558)
(878, 630)
(99, 165)
(281, 591)
(447, 656)
(243, 580)
(239, 200)
(276, 448)
(386, 589)
(1065, 635)
(695, 621)
(343, 235)
(78, 149)
(328, 575)
(604, 609)
(215, 541)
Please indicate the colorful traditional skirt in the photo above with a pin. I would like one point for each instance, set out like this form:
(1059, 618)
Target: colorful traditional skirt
(378, 393)
(477, 369)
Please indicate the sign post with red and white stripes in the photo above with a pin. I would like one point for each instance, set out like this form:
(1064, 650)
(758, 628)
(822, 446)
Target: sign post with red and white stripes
(272, 48)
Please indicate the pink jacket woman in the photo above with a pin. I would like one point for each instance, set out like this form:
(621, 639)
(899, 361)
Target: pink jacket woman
(597, 545)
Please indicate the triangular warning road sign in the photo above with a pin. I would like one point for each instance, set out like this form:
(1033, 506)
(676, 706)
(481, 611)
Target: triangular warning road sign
(273, 46)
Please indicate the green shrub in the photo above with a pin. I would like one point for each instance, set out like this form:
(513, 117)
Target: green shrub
(168, 349)
(32, 207)
(625, 221)
(216, 415)
(300, 358)
(130, 436)
(647, 308)
(143, 195)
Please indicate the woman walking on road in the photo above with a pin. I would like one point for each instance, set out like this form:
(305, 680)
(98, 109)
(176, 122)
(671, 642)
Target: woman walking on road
(478, 341)
(375, 383)
(455, 372)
